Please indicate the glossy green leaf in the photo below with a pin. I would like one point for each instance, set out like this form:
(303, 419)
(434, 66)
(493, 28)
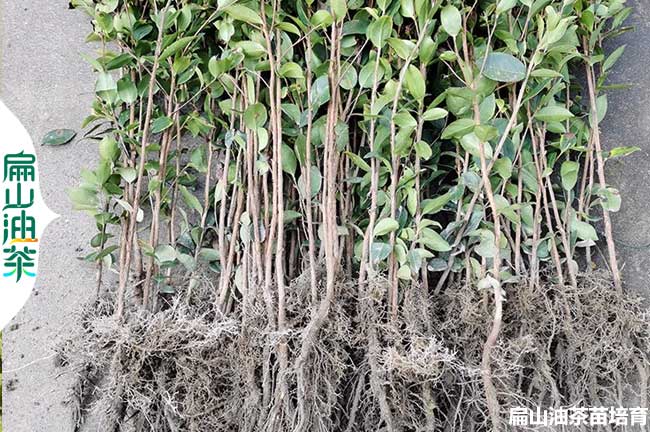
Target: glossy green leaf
(434, 114)
(339, 9)
(385, 226)
(165, 253)
(243, 13)
(553, 114)
(316, 182)
(569, 174)
(58, 137)
(379, 251)
(126, 90)
(175, 47)
(289, 161)
(584, 230)
(504, 67)
(255, 116)
(415, 83)
(458, 128)
(191, 200)
(161, 124)
(379, 31)
(451, 20)
(434, 241)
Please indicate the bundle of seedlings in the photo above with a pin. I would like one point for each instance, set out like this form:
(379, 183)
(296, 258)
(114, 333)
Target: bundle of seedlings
(351, 216)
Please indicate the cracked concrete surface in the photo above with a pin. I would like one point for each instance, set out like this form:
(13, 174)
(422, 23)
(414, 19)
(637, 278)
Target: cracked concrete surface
(47, 85)
(628, 124)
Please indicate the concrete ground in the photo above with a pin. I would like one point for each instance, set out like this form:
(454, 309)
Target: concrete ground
(47, 85)
(628, 124)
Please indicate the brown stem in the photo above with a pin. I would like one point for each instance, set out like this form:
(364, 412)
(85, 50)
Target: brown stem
(135, 204)
(611, 247)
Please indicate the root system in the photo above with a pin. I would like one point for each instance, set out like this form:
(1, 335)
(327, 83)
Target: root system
(183, 370)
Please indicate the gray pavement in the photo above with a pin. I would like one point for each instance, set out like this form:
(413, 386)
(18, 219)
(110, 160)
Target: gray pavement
(47, 85)
(628, 124)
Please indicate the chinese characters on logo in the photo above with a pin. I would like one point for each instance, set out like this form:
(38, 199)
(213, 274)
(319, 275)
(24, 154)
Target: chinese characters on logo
(19, 228)
(579, 416)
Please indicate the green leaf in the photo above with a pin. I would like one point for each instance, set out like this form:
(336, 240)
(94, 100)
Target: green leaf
(209, 254)
(415, 82)
(610, 199)
(404, 272)
(243, 13)
(379, 251)
(128, 174)
(291, 215)
(291, 70)
(613, 58)
(412, 201)
(83, 199)
(126, 90)
(403, 48)
(349, 77)
(503, 167)
(569, 174)
(584, 230)
(427, 50)
(58, 137)
(197, 159)
(451, 20)
(434, 241)
(255, 116)
(423, 150)
(165, 253)
(545, 73)
(108, 148)
(142, 31)
(339, 9)
(316, 182)
(385, 226)
(289, 161)
(160, 124)
(472, 145)
(105, 83)
(358, 161)
(458, 128)
(119, 61)
(191, 201)
(407, 8)
(289, 28)
(251, 49)
(434, 114)
(181, 63)
(320, 91)
(405, 120)
(601, 107)
(106, 252)
(505, 6)
(379, 31)
(321, 18)
(175, 47)
(622, 151)
(367, 75)
(107, 6)
(553, 114)
(487, 247)
(434, 205)
(504, 67)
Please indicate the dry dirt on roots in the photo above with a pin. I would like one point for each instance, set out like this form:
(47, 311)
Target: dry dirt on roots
(186, 368)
